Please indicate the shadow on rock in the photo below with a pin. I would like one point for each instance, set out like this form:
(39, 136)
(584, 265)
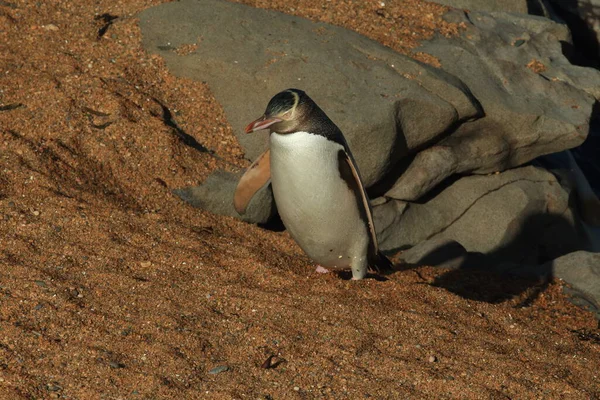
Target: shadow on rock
(587, 154)
(581, 16)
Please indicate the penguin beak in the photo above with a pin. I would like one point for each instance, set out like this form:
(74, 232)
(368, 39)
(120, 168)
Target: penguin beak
(261, 123)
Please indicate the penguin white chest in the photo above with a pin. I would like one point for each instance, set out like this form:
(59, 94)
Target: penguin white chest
(315, 203)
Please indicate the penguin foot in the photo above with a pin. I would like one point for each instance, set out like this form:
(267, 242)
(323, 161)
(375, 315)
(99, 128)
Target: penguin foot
(321, 270)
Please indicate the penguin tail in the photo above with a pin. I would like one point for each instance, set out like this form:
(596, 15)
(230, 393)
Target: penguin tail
(382, 264)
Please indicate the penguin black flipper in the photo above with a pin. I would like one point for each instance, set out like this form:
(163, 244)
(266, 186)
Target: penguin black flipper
(349, 173)
(256, 176)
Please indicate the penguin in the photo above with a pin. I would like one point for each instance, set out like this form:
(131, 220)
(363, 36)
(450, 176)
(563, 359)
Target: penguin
(316, 184)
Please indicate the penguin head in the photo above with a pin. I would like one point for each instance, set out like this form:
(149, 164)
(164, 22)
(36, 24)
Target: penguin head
(284, 112)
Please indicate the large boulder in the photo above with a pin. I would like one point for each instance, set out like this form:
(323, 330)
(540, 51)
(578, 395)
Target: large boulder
(504, 96)
(535, 101)
(582, 17)
(215, 194)
(521, 215)
(381, 100)
(581, 270)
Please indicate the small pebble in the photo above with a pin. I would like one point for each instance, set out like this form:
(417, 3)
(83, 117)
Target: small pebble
(433, 359)
(296, 388)
(53, 388)
(219, 369)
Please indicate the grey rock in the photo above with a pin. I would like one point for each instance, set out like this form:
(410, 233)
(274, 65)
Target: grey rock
(491, 112)
(218, 370)
(386, 218)
(519, 215)
(581, 270)
(216, 196)
(527, 113)
(381, 100)
(438, 252)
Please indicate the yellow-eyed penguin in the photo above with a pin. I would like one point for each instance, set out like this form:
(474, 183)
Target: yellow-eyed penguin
(317, 187)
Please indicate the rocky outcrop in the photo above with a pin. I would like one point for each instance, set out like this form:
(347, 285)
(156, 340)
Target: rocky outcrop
(582, 271)
(216, 195)
(519, 215)
(381, 100)
(443, 148)
(581, 16)
(535, 101)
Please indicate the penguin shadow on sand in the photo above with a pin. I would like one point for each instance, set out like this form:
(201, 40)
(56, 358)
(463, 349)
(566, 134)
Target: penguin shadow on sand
(380, 276)
(519, 268)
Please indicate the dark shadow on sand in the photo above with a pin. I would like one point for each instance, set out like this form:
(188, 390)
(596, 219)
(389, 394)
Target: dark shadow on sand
(518, 267)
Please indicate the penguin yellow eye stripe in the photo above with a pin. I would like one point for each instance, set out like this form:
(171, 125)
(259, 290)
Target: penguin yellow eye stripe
(296, 99)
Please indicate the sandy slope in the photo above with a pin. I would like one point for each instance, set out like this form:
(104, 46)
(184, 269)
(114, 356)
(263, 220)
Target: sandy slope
(110, 287)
